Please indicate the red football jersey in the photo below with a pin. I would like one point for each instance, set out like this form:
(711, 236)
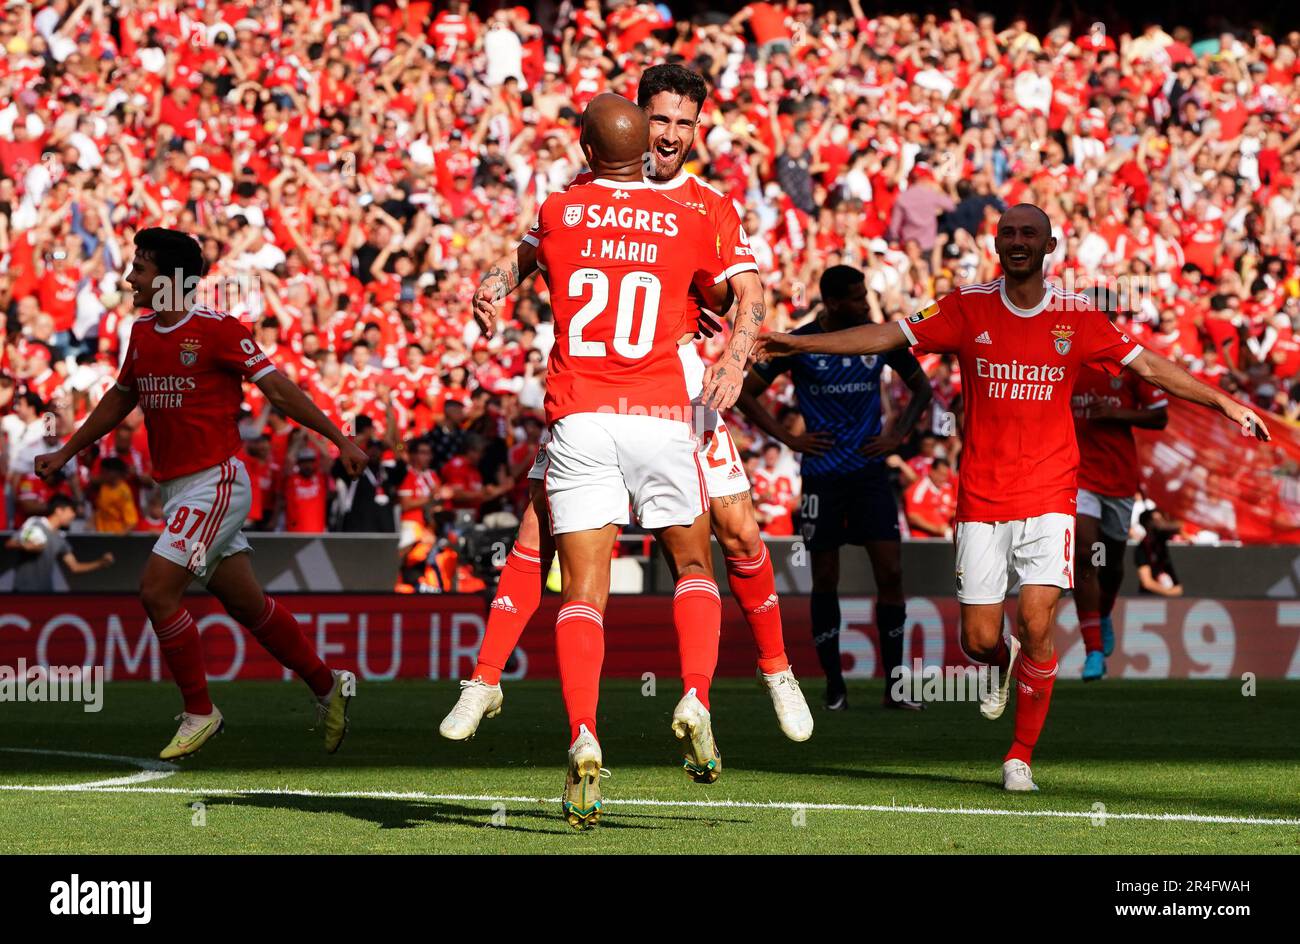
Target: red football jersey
(1019, 366)
(619, 259)
(1107, 453)
(189, 381)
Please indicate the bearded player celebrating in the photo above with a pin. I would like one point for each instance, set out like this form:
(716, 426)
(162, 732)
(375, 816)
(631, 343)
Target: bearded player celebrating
(184, 367)
(1022, 343)
(671, 96)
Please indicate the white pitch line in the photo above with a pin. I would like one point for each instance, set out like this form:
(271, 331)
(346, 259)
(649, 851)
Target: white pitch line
(150, 769)
(694, 804)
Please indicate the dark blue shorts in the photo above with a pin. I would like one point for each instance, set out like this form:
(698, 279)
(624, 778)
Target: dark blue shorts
(852, 508)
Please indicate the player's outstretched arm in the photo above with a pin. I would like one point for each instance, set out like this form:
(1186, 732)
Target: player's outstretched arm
(113, 407)
(864, 339)
(500, 280)
(283, 394)
(1170, 377)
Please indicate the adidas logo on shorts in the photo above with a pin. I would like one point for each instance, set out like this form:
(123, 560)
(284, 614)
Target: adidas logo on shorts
(505, 603)
(178, 544)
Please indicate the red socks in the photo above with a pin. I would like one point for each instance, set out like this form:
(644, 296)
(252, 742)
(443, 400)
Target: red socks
(1035, 694)
(280, 634)
(580, 651)
(178, 638)
(753, 584)
(519, 594)
(1090, 630)
(697, 614)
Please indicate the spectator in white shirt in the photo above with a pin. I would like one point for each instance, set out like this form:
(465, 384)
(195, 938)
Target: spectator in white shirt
(1033, 87)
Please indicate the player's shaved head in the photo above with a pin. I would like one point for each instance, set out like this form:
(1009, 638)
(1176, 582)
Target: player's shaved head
(614, 135)
(1037, 213)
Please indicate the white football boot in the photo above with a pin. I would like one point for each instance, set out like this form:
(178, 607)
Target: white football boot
(478, 700)
(582, 802)
(693, 727)
(792, 712)
(994, 703)
(1017, 777)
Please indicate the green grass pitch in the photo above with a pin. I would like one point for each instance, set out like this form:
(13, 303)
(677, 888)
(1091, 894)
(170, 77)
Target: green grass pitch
(1198, 749)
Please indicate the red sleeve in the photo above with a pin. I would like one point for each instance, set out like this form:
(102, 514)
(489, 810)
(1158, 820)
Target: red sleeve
(732, 241)
(534, 235)
(1107, 346)
(936, 328)
(238, 353)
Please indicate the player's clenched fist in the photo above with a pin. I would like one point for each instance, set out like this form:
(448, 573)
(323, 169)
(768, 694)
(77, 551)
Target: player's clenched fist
(48, 463)
(353, 457)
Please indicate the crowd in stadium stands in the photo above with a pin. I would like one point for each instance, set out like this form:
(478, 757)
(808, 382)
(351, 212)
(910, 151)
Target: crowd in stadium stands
(351, 169)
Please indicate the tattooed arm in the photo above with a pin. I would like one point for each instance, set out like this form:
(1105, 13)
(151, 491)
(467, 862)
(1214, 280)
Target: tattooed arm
(499, 281)
(723, 380)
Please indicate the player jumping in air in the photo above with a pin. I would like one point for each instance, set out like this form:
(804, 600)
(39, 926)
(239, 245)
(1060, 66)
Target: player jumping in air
(671, 96)
(1021, 343)
(621, 258)
(183, 367)
(1106, 411)
(847, 497)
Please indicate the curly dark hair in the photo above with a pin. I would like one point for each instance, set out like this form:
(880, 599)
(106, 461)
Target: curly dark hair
(671, 77)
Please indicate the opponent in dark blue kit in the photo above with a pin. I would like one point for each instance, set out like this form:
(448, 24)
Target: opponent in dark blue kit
(847, 497)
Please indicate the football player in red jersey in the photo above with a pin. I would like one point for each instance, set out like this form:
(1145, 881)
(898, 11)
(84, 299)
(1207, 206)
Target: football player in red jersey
(1021, 343)
(671, 95)
(185, 368)
(1106, 411)
(622, 258)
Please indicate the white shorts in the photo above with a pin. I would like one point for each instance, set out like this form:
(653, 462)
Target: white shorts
(205, 512)
(724, 472)
(1115, 514)
(1037, 550)
(596, 462)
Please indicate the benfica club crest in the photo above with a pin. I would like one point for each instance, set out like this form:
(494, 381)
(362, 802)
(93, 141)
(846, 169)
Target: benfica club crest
(1062, 343)
(573, 214)
(189, 353)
